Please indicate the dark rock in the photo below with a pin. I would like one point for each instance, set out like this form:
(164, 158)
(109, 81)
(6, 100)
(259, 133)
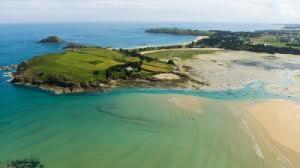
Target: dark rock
(73, 45)
(171, 62)
(84, 85)
(25, 163)
(23, 66)
(17, 79)
(52, 39)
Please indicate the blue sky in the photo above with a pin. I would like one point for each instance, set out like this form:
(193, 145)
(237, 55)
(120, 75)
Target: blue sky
(265, 11)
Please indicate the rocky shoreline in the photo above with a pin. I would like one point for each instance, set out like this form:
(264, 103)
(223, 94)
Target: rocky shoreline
(102, 87)
(162, 80)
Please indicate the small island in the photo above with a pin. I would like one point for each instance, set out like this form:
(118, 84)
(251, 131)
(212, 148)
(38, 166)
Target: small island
(51, 40)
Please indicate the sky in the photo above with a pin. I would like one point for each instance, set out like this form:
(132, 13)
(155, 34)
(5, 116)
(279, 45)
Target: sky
(251, 11)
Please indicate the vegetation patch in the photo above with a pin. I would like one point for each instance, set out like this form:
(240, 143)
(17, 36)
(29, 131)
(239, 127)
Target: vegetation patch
(183, 54)
(268, 41)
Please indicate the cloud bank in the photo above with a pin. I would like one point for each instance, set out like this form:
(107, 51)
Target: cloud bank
(265, 11)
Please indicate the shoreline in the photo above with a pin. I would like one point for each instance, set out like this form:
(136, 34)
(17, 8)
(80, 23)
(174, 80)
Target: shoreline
(197, 38)
(176, 83)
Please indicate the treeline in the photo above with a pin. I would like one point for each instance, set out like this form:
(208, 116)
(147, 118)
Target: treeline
(293, 44)
(136, 53)
(129, 70)
(159, 48)
(124, 71)
(240, 41)
(179, 31)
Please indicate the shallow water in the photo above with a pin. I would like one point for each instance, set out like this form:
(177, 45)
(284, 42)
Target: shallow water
(126, 130)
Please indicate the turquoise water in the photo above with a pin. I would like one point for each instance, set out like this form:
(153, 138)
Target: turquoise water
(125, 128)
(128, 127)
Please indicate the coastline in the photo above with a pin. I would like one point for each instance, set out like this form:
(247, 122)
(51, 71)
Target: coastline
(169, 44)
(174, 83)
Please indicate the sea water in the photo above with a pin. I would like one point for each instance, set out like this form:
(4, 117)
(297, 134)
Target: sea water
(125, 127)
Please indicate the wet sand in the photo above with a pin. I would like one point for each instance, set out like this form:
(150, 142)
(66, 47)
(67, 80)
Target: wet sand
(188, 103)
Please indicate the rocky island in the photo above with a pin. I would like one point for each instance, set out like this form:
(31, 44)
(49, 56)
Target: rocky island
(52, 40)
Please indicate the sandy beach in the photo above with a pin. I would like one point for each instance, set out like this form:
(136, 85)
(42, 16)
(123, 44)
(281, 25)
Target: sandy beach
(180, 49)
(201, 38)
(281, 120)
(166, 76)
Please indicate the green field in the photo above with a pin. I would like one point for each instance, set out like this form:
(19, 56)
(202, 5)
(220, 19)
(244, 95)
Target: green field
(268, 39)
(271, 40)
(183, 54)
(88, 65)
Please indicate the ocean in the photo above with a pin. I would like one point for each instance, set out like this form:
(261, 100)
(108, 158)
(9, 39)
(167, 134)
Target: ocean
(124, 127)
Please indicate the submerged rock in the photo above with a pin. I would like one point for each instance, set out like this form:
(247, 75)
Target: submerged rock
(25, 163)
(8, 67)
(52, 39)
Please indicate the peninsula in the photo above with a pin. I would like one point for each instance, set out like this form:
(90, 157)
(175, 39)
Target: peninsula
(179, 31)
(264, 41)
(94, 69)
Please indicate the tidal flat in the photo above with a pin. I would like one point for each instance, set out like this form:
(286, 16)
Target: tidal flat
(227, 69)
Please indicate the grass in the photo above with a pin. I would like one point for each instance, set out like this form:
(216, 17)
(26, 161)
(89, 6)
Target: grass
(182, 54)
(80, 66)
(156, 67)
(268, 39)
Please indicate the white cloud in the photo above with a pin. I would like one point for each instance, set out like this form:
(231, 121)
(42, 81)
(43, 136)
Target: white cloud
(150, 10)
